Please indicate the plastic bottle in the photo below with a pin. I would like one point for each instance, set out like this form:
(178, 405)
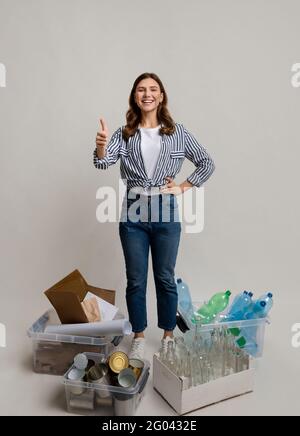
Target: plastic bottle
(216, 304)
(241, 304)
(185, 304)
(247, 338)
(268, 299)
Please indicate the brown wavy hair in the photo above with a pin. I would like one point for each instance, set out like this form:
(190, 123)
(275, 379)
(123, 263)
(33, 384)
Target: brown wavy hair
(134, 115)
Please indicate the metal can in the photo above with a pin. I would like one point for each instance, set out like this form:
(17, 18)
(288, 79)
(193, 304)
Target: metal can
(118, 361)
(137, 366)
(127, 378)
(80, 361)
(104, 401)
(84, 401)
(90, 364)
(76, 381)
(97, 372)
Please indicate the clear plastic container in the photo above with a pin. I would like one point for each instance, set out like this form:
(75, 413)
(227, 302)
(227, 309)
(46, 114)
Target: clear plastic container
(253, 330)
(102, 399)
(54, 354)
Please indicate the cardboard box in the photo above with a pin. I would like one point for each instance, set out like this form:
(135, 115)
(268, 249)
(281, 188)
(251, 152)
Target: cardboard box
(54, 353)
(67, 294)
(170, 387)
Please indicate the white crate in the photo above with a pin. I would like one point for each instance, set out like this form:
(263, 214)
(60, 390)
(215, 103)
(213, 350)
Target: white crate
(171, 388)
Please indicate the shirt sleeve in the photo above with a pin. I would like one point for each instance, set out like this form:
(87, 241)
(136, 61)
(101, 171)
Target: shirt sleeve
(112, 151)
(197, 154)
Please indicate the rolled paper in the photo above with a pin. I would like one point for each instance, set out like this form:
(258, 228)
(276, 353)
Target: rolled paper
(115, 327)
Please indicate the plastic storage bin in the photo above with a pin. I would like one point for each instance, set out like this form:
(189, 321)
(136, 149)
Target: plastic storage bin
(54, 354)
(104, 399)
(253, 330)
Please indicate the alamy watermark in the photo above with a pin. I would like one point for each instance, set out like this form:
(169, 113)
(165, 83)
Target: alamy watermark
(2, 335)
(295, 79)
(2, 76)
(296, 336)
(187, 208)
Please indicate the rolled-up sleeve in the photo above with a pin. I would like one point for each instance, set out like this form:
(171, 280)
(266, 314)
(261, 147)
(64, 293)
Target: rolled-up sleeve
(197, 154)
(112, 151)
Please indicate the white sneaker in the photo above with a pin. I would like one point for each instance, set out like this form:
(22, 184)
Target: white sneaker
(164, 344)
(137, 350)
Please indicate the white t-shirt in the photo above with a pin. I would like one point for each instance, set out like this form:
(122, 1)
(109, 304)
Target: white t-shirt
(150, 147)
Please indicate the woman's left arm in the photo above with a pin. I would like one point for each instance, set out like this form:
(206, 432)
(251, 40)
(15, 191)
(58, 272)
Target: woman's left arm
(205, 166)
(197, 154)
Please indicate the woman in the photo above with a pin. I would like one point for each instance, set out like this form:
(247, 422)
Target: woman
(152, 148)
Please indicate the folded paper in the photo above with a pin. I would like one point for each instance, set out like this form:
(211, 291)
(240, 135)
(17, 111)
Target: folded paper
(91, 309)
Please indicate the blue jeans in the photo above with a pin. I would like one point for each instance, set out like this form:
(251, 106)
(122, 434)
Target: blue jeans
(137, 235)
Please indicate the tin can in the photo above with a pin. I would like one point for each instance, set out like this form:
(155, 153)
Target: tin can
(84, 401)
(80, 361)
(127, 378)
(137, 366)
(97, 372)
(104, 401)
(118, 361)
(76, 376)
(90, 364)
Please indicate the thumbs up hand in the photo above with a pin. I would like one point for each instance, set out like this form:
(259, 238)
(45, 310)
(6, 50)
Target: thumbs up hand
(102, 135)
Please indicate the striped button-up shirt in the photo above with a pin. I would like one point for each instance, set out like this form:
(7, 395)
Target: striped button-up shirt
(174, 149)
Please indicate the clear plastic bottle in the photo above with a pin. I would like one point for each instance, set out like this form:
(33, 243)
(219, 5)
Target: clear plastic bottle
(268, 299)
(184, 298)
(248, 335)
(241, 304)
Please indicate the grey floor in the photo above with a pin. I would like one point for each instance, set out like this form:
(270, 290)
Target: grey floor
(276, 391)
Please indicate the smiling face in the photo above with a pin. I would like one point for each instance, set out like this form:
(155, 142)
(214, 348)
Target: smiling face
(148, 95)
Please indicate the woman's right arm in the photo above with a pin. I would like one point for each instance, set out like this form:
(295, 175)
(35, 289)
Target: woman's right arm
(105, 154)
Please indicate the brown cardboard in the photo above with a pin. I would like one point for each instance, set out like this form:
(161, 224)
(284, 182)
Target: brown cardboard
(67, 294)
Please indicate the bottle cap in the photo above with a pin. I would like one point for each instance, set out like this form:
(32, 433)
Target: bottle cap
(228, 293)
(263, 303)
(235, 331)
(241, 342)
(250, 294)
(179, 280)
(270, 295)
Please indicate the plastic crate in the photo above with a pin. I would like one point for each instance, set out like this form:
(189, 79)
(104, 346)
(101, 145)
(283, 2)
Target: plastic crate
(104, 399)
(54, 354)
(249, 334)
